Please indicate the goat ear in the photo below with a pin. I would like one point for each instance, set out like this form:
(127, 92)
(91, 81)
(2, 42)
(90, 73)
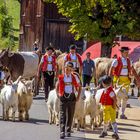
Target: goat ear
(18, 80)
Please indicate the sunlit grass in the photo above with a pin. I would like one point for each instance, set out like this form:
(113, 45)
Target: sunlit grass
(14, 11)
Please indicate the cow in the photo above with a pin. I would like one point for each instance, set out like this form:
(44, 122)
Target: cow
(60, 62)
(20, 63)
(102, 66)
(133, 81)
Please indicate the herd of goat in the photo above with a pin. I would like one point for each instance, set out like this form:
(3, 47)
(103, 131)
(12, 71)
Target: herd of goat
(18, 95)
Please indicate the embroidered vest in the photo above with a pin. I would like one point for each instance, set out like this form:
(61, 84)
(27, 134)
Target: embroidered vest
(62, 84)
(78, 57)
(45, 63)
(105, 98)
(119, 67)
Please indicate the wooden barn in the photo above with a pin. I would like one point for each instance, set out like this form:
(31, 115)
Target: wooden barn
(41, 22)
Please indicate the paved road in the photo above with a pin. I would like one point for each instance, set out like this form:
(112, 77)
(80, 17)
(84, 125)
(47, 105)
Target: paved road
(37, 128)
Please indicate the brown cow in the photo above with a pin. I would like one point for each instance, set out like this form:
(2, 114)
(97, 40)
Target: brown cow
(102, 66)
(137, 69)
(60, 62)
(20, 63)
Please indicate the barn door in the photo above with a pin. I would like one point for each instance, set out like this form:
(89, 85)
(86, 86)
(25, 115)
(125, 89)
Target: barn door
(56, 30)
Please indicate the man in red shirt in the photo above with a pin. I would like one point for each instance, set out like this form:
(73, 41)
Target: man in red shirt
(48, 67)
(122, 70)
(75, 58)
(66, 87)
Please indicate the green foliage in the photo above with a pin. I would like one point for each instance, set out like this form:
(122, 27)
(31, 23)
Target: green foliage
(6, 27)
(9, 23)
(101, 19)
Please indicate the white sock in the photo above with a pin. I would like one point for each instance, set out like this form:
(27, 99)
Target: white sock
(122, 110)
(114, 126)
(105, 128)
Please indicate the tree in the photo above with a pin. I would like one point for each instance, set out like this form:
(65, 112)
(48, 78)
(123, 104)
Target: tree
(101, 20)
(6, 27)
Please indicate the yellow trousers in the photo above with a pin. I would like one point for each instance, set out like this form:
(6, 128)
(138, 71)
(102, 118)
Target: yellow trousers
(109, 114)
(122, 97)
(122, 80)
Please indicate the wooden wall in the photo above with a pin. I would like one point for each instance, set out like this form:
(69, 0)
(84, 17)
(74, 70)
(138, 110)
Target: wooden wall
(56, 29)
(41, 21)
(31, 24)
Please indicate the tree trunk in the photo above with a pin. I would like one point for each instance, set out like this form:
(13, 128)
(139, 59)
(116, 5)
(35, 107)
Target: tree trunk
(106, 50)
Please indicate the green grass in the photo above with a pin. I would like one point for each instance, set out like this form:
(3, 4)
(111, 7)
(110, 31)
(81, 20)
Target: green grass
(14, 11)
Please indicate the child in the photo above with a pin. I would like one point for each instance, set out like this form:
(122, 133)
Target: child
(108, 101)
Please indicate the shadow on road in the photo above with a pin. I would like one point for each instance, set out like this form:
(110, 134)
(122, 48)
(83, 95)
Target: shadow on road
(96, 131)
(38, 98)
(126, 124)
(128, 129)
(79, 138)
(35, 121)
(133, 119)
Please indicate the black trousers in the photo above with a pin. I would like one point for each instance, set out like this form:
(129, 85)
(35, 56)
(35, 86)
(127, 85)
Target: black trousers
(86, 80)
(67, 108)
(48, 82)
(77, 70)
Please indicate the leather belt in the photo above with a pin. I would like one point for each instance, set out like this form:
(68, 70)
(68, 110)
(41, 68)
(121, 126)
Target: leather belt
(68, 83)
(124, 67)
(73, 60)
(49, 62)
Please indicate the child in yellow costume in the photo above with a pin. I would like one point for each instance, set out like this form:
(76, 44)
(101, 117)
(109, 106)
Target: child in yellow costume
(108, 101)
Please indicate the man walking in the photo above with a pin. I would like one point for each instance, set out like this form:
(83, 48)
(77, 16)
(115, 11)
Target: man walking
(49, 68)
(88, 70)
(75, 58)
(122, 69)
(65, 87)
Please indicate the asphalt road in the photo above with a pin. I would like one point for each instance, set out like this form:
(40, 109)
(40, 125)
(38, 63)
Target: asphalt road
(37, 128)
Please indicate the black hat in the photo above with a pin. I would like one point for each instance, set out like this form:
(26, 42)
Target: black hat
(50, 48)
(124, 49)
(106, 79)
(73, 47)
(69, 64)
